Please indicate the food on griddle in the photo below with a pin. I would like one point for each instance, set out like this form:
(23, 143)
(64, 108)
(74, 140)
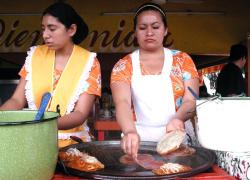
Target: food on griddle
(128, 160)
(183, 150)
(71, 154)
(146, 161)
(73, 158)
(150, 165)
(171, 168)
(170, 142)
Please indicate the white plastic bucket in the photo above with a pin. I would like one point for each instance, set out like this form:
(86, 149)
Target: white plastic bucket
(224, 124)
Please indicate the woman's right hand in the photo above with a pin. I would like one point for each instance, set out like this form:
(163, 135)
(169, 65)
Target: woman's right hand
(130, 144)
(175, 124)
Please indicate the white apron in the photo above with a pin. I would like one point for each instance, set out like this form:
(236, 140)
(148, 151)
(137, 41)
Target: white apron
(153, 98)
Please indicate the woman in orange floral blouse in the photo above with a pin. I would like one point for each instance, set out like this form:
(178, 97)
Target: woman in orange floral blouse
(149, 86)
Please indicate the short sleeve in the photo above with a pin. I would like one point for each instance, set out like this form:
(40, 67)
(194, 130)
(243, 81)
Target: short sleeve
(94, 79)
(189, 70)
(122, 71)
(22, 73)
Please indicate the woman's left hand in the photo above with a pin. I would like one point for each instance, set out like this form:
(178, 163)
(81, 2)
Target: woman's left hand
(175, 124)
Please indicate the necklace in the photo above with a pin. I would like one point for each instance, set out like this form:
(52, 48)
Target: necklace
(145, 71)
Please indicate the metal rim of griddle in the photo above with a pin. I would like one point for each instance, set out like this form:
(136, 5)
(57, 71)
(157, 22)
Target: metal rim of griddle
(206, 155)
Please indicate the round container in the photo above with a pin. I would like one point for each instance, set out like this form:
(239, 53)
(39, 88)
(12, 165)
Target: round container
(223, 124)
(28, 148)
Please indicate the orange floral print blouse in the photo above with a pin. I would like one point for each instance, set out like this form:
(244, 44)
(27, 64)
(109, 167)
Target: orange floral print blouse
(183, 69)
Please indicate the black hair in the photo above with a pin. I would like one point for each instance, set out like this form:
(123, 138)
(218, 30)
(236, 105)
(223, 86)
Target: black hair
(68, 16)
(153, 7)
(237, 51)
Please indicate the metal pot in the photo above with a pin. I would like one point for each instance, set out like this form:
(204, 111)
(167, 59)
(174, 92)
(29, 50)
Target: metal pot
(223, 124)
(28, 148)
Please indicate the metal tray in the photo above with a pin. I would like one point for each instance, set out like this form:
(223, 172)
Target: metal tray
(200, 161)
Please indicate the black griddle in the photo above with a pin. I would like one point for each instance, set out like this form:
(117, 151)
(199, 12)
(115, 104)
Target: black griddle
(202, 160)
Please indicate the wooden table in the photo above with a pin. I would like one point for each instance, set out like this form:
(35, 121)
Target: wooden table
(102, 125)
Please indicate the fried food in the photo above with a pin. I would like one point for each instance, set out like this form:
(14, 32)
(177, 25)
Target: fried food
(171, 168)
(73, 158)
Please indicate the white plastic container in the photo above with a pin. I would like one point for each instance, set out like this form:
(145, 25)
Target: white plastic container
(224, 124)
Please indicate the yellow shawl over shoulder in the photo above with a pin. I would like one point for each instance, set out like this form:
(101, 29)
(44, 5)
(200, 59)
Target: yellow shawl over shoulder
(40, 79)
